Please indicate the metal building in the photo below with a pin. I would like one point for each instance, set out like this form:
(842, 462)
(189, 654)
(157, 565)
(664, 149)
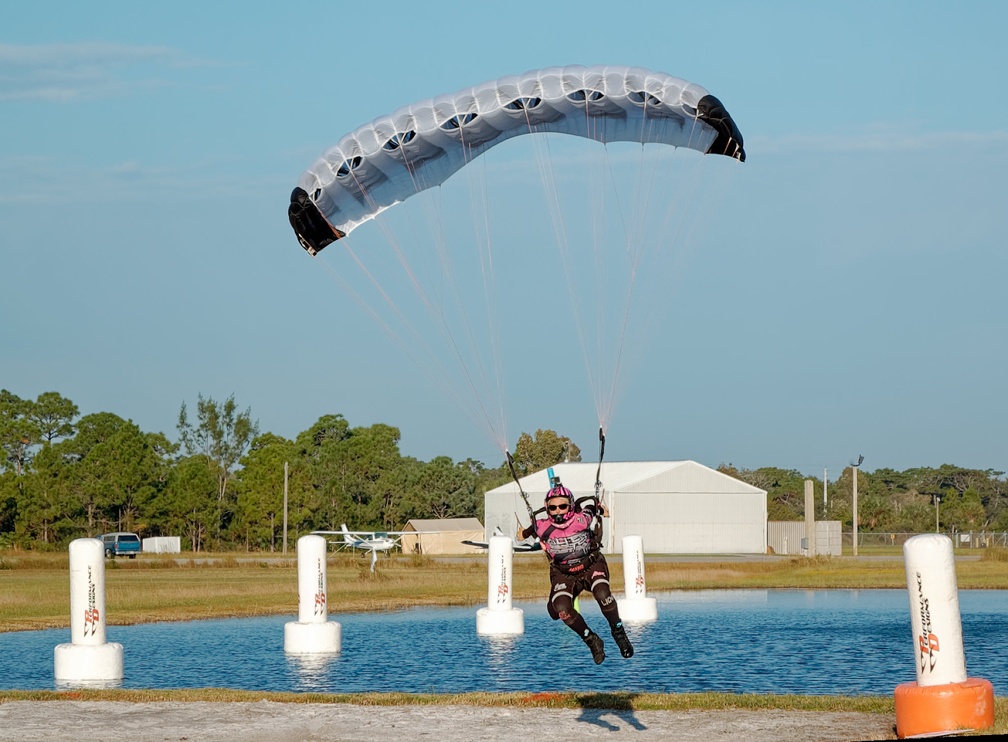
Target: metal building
(442, 536)
(676, 507)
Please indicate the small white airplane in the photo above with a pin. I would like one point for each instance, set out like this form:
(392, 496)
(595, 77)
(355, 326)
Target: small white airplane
(373, 541)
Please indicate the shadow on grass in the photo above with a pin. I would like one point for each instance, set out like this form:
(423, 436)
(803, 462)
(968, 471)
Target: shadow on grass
(596, 706)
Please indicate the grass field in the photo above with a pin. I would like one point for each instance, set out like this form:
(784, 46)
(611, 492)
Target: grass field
(34, 594)
(34, 588)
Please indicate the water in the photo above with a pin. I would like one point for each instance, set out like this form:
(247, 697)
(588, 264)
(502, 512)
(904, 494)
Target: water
(831, 642)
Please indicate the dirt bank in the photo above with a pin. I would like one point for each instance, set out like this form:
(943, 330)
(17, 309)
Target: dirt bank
(266, 721)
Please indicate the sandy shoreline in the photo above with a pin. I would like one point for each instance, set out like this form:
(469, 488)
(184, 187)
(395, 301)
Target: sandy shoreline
(269, 721)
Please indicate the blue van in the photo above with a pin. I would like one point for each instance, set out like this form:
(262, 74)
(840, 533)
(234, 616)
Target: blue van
(120, 544)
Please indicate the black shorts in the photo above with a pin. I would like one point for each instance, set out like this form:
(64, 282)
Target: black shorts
(572, 584)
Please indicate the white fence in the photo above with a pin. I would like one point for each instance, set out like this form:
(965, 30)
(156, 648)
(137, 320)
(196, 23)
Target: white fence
(960, 539)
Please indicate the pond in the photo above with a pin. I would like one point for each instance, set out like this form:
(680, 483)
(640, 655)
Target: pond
(829, 642)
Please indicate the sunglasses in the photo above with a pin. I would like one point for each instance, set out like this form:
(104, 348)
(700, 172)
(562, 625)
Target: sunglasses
(558, 508)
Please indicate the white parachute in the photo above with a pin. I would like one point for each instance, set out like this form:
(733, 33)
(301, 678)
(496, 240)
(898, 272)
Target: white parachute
(421, 145)
(616, 201)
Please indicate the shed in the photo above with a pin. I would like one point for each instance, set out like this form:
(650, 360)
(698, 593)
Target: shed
(442, 536)
(676, 507)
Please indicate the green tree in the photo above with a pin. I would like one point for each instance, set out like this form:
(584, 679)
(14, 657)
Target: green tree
(187, 506)
(372, 479)
(53, 416)
(221, 436)
(963, 512)
(785, 489)
(89, 466)
(545, 449)
(448, 490)
(9, 490)
(258, 520)
(18, 432)
(321, 469)
(46, 509)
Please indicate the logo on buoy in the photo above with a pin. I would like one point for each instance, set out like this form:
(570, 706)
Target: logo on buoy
(320, 598)
(502, 586)
(91, 614)
(927, 642)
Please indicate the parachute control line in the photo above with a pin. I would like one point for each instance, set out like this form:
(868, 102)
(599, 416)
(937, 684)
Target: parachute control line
(421, 145)
(313, 632)
(944, 700)
(88, 659)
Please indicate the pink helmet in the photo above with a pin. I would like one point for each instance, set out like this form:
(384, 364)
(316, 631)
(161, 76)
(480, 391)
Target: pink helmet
(560, 517)
(559, 491)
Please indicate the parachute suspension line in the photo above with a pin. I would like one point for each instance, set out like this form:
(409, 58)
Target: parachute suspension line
(473, 370)
(437, 375)
(496, 430)
(547, 172)
(514, 475)
(635, 246)
(488, 275)
(482, 417)
(598, 299)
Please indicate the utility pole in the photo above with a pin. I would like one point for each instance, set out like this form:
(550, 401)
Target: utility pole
(285, 511)
(937, 500)
(854, 469)
(825, 483)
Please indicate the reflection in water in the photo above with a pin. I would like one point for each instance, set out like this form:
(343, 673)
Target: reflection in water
(499, 651)
(833, 642)
(311, 670)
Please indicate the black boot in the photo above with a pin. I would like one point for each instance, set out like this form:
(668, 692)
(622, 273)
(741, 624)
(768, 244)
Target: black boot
(619, 634)
(597, 647)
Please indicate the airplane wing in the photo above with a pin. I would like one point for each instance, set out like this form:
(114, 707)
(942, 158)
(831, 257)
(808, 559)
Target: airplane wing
(516, 545)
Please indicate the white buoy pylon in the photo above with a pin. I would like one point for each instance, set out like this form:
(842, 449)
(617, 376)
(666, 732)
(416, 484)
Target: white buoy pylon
(88, 658)
(500, 617)
(313, 632)
(943, 699)
(636, 606)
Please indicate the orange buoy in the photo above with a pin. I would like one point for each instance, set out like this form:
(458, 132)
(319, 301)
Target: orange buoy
(940, 709)
(944, 699)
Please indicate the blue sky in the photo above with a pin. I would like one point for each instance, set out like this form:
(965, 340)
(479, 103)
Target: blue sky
(840, 293)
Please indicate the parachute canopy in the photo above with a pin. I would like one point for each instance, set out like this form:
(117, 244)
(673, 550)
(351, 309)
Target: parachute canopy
(422, 145)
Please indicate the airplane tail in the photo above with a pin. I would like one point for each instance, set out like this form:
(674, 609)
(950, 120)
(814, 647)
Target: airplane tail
(346, 535)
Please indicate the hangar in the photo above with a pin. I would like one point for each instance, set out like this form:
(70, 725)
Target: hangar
(441, 536)
(676, 507)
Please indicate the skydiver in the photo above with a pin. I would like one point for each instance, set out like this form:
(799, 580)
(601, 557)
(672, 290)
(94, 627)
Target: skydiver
(577, 565)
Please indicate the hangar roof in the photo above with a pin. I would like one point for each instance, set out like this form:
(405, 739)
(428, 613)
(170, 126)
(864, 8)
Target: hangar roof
(632, 476)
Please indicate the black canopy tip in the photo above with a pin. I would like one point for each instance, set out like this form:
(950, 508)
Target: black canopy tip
(311, 228)
(729, 138)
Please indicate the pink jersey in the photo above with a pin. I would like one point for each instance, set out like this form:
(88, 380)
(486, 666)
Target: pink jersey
(569, 543)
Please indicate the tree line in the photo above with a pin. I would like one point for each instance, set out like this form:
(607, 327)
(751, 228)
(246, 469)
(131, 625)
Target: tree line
(221, 484)
(890, 501)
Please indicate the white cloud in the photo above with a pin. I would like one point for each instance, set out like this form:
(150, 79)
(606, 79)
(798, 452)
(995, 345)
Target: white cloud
(61, 73)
